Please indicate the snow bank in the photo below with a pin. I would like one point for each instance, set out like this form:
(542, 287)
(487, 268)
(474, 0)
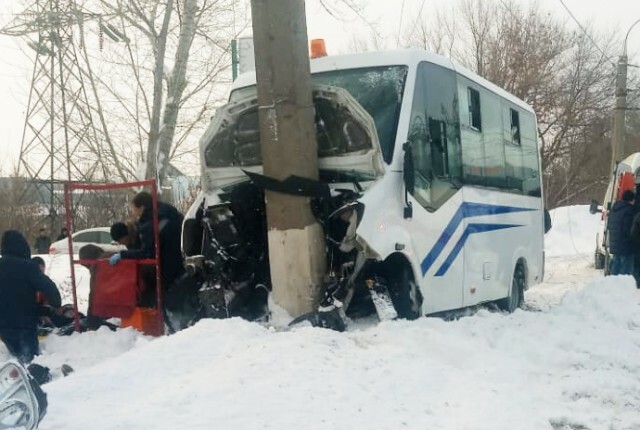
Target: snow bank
(575, 365)
(87, 349)
(573, 232)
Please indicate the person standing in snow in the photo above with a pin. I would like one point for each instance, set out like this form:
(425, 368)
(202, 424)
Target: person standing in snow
(42, 243)
(20, 280)
(635, 237)
(621, 244)
(63, 234)
(170, 225)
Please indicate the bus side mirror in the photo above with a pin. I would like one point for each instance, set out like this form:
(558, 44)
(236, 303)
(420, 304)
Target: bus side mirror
(595, 207)
(409, 178)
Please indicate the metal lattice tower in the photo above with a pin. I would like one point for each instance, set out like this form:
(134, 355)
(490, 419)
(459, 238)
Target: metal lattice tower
(58, 131)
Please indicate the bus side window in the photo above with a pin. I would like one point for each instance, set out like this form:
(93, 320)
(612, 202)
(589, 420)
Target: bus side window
(515, 127)
(434, 133)
(475, 118)
(530, 155)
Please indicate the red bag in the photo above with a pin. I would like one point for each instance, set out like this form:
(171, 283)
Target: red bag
(116, 289)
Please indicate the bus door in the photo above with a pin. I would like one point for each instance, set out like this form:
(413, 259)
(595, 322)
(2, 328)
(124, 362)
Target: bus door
(437, 222)
(436, 239)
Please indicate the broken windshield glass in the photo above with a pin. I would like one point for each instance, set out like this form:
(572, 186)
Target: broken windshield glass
(377, 89)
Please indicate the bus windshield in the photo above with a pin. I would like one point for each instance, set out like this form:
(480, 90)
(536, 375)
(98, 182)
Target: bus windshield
(377, 89)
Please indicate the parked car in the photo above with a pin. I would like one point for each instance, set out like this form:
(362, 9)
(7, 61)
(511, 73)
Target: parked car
(99, 236)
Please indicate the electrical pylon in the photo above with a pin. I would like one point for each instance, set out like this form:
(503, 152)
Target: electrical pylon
(58, 131)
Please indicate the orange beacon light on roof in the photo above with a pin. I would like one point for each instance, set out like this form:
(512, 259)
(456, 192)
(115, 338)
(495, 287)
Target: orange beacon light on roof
(318, 48)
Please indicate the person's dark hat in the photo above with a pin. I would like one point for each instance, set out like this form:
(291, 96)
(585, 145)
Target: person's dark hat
(118, 231)
(628, 196)
(38, 260)
(14, 243)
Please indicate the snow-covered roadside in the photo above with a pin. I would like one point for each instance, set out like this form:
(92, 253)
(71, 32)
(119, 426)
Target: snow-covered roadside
(569, 248)
(573, 232)
(576, 364)
(562, 275)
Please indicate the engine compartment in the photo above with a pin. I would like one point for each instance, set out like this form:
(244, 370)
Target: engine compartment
(225, 233)
(227, 253)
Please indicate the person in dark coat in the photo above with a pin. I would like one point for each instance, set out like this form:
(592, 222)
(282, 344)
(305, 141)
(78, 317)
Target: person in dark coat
(42, 243)
(621, 244)
(20, 280)
(170, 225)
(63, 234)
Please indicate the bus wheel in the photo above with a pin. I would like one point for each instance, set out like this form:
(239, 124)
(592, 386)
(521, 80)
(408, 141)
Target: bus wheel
(406, 295)
(516, 295)
(599, 260)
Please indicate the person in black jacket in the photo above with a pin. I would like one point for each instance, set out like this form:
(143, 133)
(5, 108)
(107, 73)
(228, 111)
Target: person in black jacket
(170, 225)
(42, 243)
(63, 234)
(20, 280)
(621, 244)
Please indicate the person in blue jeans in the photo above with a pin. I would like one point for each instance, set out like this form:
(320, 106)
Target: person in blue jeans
(20, 280)
(621, 244)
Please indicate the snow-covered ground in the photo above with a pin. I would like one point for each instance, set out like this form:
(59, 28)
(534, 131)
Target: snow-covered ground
(570, 361)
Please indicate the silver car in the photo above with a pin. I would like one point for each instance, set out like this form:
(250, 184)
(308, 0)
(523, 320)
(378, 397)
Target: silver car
(99, 236)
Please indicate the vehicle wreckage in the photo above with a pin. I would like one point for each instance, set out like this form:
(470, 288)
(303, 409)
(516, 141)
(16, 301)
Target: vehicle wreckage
(225, 231)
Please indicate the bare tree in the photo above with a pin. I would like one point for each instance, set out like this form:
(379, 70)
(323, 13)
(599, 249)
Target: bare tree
(560, 72)
(158, 70)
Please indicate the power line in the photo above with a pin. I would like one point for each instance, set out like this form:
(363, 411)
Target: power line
(400, 25)
(415, 23)
(587, 33)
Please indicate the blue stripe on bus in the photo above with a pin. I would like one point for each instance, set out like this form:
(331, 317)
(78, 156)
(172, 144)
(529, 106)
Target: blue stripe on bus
(471, 229)
(466, 210)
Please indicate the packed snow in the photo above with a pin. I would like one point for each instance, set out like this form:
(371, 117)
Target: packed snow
(569, 361)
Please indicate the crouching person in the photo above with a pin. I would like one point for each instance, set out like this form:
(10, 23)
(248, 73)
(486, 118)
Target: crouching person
(621, 244)
(20, 281)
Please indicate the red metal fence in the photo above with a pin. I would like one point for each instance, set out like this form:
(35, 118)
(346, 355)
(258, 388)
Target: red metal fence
(68, 188)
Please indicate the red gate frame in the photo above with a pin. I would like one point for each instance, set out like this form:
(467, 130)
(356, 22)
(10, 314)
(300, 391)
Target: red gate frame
(68, 187)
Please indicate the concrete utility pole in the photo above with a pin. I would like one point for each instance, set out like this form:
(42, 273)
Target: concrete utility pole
(618, 148)
(289, 147)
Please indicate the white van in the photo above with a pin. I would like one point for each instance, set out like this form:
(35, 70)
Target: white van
(629, 166)
(433, 189)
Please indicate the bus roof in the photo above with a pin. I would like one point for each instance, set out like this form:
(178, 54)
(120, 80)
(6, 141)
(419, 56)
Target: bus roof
(408, 57)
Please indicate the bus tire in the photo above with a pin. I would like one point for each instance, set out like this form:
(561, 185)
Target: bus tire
(405, 294)
(607, 264)
(599, 260)
(516, 294)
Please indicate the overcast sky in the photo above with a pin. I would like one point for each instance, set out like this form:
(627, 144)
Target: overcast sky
(605, 16)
